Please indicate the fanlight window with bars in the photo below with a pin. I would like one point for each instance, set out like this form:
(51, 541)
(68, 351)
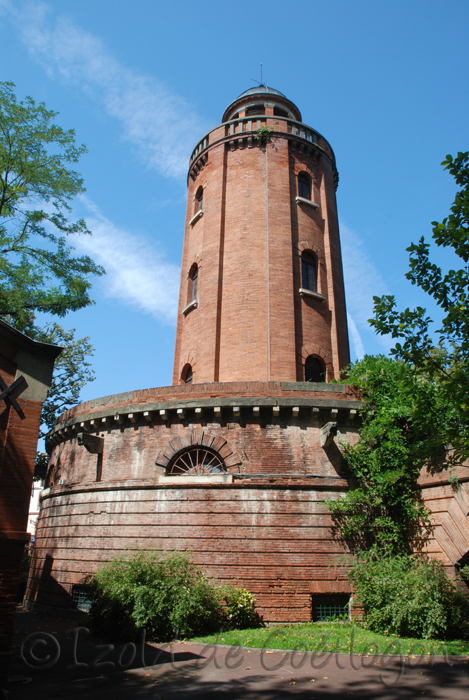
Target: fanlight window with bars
(197, 460)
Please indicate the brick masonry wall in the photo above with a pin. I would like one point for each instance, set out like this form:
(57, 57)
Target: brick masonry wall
(268, 531)
(18, 440)
(250, 322)
(449, 506)
(265, 444)
(273, 541)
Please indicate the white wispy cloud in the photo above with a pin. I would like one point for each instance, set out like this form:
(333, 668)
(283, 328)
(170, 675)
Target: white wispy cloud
(357, 342)
(136, 273)
(160, 124)
(362, 282)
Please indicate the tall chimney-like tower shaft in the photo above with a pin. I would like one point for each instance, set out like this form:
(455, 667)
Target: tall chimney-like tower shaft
(262, 293)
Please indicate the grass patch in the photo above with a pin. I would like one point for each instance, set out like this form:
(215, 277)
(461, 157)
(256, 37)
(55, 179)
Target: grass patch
(343, 638)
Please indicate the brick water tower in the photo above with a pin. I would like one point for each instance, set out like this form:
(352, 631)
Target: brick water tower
(262, 292)
(235, 461)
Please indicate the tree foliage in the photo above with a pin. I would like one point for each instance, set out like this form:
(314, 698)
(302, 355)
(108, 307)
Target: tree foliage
(38, 272)
(71, 372)
(446, 359)
(401, 407)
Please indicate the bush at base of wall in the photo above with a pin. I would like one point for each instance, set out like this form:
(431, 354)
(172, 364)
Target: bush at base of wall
(409, 596)
(166, 595)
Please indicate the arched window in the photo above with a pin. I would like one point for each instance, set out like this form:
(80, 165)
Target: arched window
(197, 460)
(187, 374)
(309, 271)
(199, 199)
(314, 370)
(304, 186)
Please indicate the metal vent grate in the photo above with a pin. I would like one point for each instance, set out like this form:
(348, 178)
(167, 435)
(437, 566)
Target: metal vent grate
(331, 607)
(80, 598)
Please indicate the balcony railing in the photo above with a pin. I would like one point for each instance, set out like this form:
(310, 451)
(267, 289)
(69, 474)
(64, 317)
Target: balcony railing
(248, 125)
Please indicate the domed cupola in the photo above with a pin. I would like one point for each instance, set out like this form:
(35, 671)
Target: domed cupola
(262, 100)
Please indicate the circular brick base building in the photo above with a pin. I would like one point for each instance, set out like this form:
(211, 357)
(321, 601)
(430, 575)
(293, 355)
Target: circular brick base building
(261, 460)
(236, 460)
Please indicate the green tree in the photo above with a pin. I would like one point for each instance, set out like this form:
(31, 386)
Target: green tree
(71, 372)
(38, 272)
(401, 407)
(414, 417)
(443, 355)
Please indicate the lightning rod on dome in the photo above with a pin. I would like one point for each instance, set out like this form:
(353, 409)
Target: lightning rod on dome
(261, 84)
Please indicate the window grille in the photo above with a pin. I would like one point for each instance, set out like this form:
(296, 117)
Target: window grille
(81, 599)
(197, 460)
(327, 608)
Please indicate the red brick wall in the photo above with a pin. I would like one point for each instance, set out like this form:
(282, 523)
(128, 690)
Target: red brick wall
(273, 541)
(449, 506)
(18, 440)
(268, 531)
(250, 323)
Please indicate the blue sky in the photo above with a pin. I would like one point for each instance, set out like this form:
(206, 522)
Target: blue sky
(386, 83)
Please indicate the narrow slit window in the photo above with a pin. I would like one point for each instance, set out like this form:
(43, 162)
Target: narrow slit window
(199, 200)
(304, 186)
(309, 271)
(194, 280)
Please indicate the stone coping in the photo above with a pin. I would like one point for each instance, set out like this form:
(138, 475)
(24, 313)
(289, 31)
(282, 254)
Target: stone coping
(228, 409)
(286, 482)
(208, 390)
(214, 389)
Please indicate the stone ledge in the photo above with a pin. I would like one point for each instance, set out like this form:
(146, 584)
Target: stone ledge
(191, 305)
(239, 388)
(200, 479)
(309, 293)
(308, 202)
(314, 386)
(312, 482)
(196, 216)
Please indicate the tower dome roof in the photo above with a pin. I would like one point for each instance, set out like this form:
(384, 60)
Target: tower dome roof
(261, 91)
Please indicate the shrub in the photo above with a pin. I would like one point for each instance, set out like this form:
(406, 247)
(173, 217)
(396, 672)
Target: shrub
(240, 611)
(409, 596)
(166, 595)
